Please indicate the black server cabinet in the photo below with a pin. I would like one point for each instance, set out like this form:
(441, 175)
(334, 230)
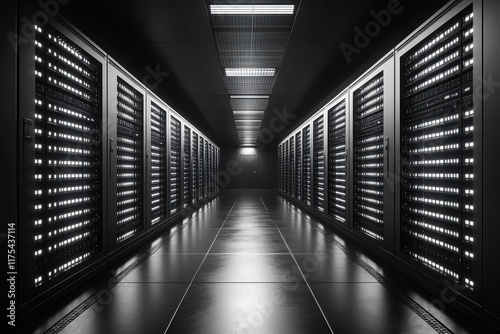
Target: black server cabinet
(280, 167)
(372, 139)
(195, 169)
(158, 160)
(287, 168)
(291, 167)
(62, 94)
(210, 168)
(217, 171)
(337, 160)
(201, 171)
(439, 132)
(186, 167)
(175, 165)
(298, 165)
(126, 130)
(206, 167)
(319, 164)
(306, 169)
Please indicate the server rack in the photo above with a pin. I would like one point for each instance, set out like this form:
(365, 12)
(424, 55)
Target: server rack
(298, 165)
(205, 169)
(186, 167)
(337, 161)
(158, 116)
(61, 189)
(202, 167)
(126, 109)
(372, 139)
(175, 165)
(217, 170)
(195, 171)
(307, 169)
(318, 164)
(439, 130)
(280, 167)
(291, 167)
(210, 168)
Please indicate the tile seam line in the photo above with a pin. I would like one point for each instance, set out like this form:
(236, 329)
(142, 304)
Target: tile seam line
(298, 267)
(63, 322)
(425, 315)
(197, 270)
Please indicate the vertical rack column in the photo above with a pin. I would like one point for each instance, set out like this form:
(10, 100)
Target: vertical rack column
(337, 162)
(318, 164)
(175, 165)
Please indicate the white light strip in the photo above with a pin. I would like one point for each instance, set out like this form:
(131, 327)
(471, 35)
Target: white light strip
(250, 72)
(248, 112)
(249, 96)
(247, 122)
(251, 9)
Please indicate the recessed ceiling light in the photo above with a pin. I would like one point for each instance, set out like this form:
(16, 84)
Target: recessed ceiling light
(249, 96)
(250, 72)
(251, 9)
(248, 112)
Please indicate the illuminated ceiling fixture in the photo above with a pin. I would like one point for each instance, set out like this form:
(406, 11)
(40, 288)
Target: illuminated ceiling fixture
(248, 112)
(250, 72)
(251, 9)
(249, 96)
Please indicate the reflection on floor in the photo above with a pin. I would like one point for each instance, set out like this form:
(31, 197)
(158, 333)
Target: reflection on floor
(249, 262)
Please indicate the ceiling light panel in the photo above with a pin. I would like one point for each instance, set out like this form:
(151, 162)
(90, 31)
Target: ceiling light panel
(252, 9)
(249, 96)
(250, 72)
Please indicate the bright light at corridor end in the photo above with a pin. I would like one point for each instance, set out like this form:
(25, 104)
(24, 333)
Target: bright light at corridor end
(251, 9)
(250, 72)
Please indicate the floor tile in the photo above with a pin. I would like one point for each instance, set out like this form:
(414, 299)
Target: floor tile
(131, 308)
(336, 267)
(249, 241)
(220, 308)
(164, 267)
(248, 268)
(360, 308)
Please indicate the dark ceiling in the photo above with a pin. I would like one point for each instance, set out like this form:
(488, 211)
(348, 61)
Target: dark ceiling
(175, 36)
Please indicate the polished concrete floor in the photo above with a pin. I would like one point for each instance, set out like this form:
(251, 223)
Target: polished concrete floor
(249, 262)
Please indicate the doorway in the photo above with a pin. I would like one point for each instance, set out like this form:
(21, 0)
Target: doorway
(248, 171)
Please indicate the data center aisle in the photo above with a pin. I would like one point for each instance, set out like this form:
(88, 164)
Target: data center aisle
(247, 262)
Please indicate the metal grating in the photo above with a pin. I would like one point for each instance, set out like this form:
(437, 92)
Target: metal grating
(249, 104)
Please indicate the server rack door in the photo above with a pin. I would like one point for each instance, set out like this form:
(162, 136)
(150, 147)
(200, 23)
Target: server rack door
(337, 161)
(210, 168)
(306, 169)
(175, 165)
(157, 162)
(319, 164)
(439, 199)
(186, 167)
(195, 172)
(201, 171)
(62, 94)
(372, 141)
(298, 165)
(126, 129)
(280, 167)
(292, 166)
(205, 169)
(217, 170)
